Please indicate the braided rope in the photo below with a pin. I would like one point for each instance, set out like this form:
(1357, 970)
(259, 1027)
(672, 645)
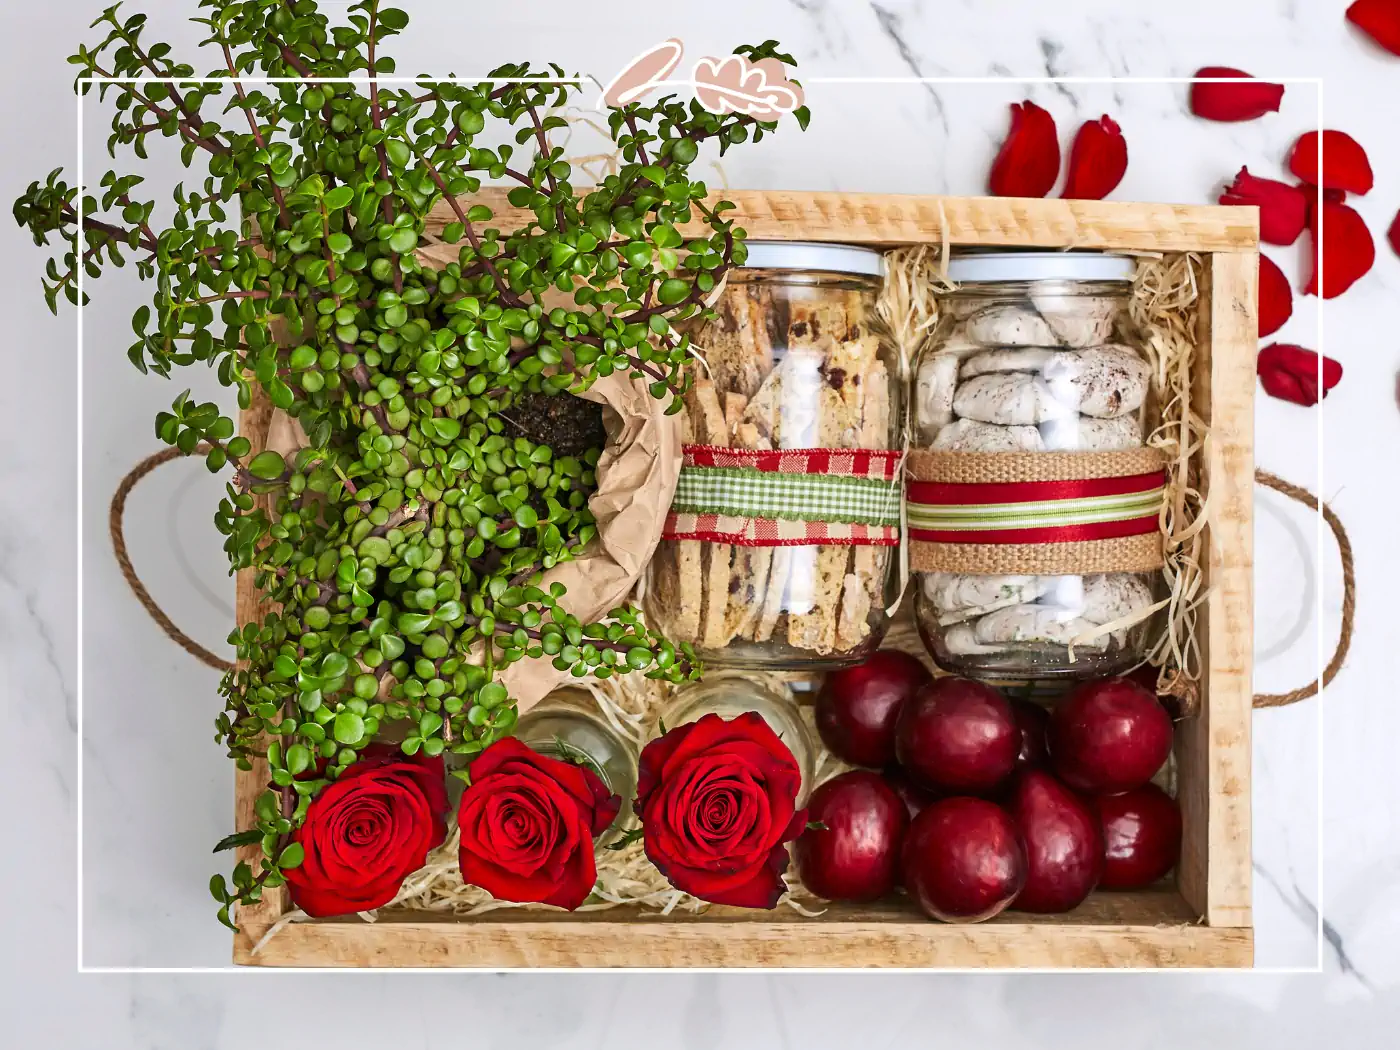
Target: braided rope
(115, 515)
(1339, 655)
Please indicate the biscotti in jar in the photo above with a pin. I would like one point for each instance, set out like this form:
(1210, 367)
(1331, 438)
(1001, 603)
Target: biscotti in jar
(778, 548)
(1033, 497)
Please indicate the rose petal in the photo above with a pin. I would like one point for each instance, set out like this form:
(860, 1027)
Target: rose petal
(1289, 373)
(1275, 297)
(1029, 161)
(1393, 235)
(1097, 161)
(1344, 162)
(1378, 19)
(1348, 251)
(1245, 100)
(1283, 209)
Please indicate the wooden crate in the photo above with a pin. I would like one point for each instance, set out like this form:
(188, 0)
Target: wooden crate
(1203, 920)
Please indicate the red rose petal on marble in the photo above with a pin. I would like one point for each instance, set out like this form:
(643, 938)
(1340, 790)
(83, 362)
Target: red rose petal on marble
(1394, 234)
(1275, 297)
(1029, 161)
(1378, 19)
(1283, 209)
(1289, 373)
(1097, 161)
(1344, 162)
(1348, 251)
(1245, 100)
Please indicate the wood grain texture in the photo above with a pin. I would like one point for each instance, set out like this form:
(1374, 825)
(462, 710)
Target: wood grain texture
(249, 606)
(1149, 928)
(893, 219)
(1213, 750)
(490, 944)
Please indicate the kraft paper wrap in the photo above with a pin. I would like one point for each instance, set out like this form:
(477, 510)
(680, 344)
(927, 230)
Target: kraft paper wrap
(636, 480)
(1123, 554)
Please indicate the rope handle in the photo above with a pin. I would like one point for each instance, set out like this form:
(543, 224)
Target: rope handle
(115, 515)
(1339, 654)
(1262, 477)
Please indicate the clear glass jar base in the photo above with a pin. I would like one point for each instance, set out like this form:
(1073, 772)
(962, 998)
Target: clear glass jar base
(775, 656)
(1032, 661)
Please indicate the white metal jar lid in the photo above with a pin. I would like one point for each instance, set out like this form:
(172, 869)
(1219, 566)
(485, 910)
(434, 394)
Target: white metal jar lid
(815, 255)
(992, 267)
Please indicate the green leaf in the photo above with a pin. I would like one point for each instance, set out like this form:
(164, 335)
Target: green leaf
(238, 838)
(625, 839)
(339, 243)
(349, 728)
(267, 465)
(338, 198)
(291, 856)
(479, 213)
(298, 759)
(673, 290)
(414, 623)
(493, 694)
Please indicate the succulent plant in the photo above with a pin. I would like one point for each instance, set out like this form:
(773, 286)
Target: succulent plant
(402, 548)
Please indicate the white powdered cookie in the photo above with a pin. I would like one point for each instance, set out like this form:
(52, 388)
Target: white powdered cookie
(1031, 359)
(1078, 320)
(933, 392)
(1009, 324)
(1101, 381)
(968, 435)
(962, 596)
(1114, 596)
(1008, 399)
(961, 641)
(1033, 623)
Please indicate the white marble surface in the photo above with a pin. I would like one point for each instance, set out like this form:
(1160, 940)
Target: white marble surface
(157, 789)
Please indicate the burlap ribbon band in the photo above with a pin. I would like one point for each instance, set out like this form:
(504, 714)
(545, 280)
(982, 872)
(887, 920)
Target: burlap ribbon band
(1044, 513)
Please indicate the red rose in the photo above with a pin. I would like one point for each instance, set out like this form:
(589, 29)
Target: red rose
(367, 830)
(528, 823)
(717, 799)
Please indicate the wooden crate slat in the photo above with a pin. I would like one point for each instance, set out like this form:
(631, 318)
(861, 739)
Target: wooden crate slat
(891, 219)
(487, 943)
(249, 606)
(1214, 770)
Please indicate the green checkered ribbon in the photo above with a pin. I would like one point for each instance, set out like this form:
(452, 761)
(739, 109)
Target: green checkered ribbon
(787, 497)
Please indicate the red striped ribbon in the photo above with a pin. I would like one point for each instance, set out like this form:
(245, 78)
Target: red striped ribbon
(932, 494)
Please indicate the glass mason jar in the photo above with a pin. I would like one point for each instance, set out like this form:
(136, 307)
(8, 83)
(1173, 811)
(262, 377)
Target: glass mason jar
(784, 562)
(1033, 352)
(567, 725)
(730, 693)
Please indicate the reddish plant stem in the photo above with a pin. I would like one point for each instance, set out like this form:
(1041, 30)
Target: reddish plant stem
(283, 219)
(543, 140)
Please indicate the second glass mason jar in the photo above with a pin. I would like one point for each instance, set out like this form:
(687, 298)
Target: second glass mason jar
(568, 725)
(778, 550)
(1034, 352)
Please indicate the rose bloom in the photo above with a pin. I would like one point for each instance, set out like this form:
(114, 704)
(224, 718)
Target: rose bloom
(528, 823)
(717, 801)
(367, 830)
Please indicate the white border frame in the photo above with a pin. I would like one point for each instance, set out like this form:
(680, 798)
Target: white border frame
(1321, 531)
